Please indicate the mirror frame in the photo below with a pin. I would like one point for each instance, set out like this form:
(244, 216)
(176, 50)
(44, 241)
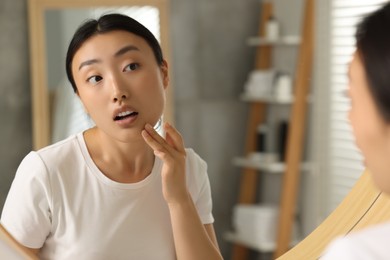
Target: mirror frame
(41, 116)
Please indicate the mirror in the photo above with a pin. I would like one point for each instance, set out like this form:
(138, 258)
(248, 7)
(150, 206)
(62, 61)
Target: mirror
(51, 26)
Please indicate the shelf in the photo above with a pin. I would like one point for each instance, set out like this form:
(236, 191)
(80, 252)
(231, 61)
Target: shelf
(260, 246)
(270, 167)
(267, 99)
(283, 41)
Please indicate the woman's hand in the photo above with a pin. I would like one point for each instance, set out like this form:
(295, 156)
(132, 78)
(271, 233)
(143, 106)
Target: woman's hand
(193, 240)
(171, 151)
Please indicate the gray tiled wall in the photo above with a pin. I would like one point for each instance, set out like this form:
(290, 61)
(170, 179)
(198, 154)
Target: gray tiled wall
(15, 112)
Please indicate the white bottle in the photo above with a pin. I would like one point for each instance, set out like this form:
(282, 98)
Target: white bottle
(272, 29)
(283, 91)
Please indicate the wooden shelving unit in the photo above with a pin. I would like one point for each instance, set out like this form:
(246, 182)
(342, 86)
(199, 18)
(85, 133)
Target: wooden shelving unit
(293, 164)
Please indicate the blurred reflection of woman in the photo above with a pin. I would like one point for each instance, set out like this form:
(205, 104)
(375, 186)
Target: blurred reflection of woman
(369, 91)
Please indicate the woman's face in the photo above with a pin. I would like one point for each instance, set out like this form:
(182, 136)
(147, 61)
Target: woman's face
(371, 132)
(120, 83)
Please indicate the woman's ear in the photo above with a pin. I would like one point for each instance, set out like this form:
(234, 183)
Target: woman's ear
(165, 73)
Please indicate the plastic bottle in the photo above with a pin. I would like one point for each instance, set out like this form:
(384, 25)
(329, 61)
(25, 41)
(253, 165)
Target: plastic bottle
(272, 29)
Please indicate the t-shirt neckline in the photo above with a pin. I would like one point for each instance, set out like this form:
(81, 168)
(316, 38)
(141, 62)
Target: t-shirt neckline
(103, 178)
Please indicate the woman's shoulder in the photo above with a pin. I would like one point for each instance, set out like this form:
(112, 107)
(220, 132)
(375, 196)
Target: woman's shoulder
(64, 145)
(62, 151)
(60, 145)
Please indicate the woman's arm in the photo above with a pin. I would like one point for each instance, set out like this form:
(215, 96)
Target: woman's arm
(211, 233)
(32, 251)
(193, 240)
(26, 212)
(26, 252)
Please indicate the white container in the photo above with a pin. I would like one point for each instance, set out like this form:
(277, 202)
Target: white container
(272, 31)
(259, 83)
(256, 222)
(283, 88)
(261, 157)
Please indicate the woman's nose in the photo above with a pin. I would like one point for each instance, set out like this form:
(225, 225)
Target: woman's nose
(119, 98)
(119, 90)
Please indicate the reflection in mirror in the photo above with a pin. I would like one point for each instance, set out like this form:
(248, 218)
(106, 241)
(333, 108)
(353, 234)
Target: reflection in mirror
(68, 116)
(57, 112)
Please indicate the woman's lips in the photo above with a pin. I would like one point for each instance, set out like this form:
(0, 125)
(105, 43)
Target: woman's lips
(127, 120)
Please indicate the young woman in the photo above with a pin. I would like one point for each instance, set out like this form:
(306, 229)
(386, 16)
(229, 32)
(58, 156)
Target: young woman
(118, 190)
(369, 90)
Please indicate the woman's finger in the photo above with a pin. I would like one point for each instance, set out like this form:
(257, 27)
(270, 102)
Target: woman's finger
(155, 140)
(174, 138)
(156, 146)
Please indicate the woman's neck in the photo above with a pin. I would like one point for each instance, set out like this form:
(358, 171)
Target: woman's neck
(119, 161)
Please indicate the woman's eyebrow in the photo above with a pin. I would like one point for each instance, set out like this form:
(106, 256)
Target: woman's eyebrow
(88, 62)
(118, 53)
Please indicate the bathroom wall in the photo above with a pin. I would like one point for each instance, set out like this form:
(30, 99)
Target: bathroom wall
(15, 111)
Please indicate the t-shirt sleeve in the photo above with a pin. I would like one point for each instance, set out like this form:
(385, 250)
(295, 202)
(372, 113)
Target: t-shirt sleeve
(26, 213)
(199, 186)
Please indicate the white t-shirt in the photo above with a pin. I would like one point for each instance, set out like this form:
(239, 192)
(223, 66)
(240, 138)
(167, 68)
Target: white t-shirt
(61, 202)
(368, 244)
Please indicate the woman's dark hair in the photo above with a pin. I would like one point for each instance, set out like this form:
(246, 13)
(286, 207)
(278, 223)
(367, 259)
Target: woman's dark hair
(373, 45)
(108, 23)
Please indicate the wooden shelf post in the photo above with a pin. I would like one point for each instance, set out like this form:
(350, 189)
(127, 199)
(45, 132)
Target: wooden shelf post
(249, 177)
(295, 139)
(296, 133)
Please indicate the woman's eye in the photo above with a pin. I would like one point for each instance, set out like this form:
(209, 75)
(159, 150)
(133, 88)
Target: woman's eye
(131, 66)
(94, 79)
